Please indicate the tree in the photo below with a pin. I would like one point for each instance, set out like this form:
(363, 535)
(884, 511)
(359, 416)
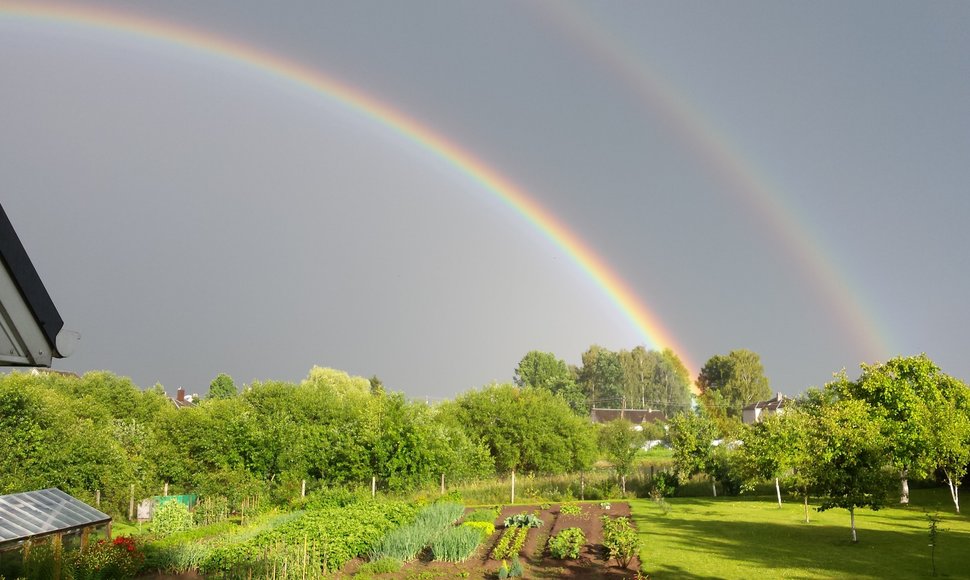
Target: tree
(739, 377)
(542, 370)
(672, 382)
(222, 387)
(849, 471)
(692, 436)
(601, 377)
(950, 436)
(779, 447)
(620, 442)
(902, 394)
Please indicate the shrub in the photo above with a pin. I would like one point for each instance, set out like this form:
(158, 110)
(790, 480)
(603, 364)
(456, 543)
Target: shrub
(663, 485)
(567, 544)
(620, 539)
(486, 529)
(117, 559)
(523, 520)
(456, 544)
(169, 518)
(482, 515)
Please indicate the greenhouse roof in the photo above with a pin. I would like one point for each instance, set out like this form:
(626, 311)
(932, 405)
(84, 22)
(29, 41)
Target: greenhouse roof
(44, 512)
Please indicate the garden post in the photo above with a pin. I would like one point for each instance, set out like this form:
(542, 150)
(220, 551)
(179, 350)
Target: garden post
(303, 489)
(131, 503)
(513, 486)
(442, 484)
(373, 486)
(97, 498)
(165, 489)
(582, 485)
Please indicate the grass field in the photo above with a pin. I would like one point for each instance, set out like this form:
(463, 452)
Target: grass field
(707, 538)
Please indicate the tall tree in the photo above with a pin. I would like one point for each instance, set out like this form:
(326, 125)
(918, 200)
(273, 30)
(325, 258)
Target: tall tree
(739, 377)
(672, 380)
(222, 387)
(601, 377)
(950, 437)
(543, 370)
(692, 436)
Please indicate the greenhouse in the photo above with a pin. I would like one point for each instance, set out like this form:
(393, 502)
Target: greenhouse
(33, 517)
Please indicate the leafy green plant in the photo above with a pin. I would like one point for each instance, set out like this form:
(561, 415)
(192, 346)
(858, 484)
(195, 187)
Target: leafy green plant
(382, 566)
(169, 518)
(570, 509)
(456, 544)
(510, 543)
(503, 571)
(621, 539)
(934, 529)
(406, 542)
(523, 520)
(515, 570)
(605, 505)
(486, 529)
(567, 544)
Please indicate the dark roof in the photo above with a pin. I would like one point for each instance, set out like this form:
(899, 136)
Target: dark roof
(631, 415)
(22, 271)
(44, 512)
(770, 405)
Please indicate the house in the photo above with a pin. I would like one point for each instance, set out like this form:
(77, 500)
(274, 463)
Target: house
(636, 416)
(31, 330)
(757, 411)
(182, 401)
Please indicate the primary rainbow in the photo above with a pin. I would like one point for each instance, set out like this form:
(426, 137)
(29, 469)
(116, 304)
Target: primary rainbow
(645, 321)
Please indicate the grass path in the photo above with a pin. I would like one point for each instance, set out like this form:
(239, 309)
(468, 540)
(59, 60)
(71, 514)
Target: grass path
(707, 538)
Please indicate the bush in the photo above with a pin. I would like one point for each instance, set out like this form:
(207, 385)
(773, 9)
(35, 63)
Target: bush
(116, 560)
(486, 529)
(620, 539)
(170, 517)
(662, 485)
(382, 566)
(456, 544)
(567, 544)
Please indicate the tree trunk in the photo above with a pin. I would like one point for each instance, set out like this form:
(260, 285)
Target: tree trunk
(778, 492)
(806, 506)
(623, 484)
(855, 539)
(714, 486)
(954, 490)
(904, 487)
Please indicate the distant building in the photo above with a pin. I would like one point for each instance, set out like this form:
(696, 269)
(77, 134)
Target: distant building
(181, 400)
(757, 411)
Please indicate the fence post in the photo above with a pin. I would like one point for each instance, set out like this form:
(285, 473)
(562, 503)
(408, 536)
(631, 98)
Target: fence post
(165, 490)
(442, 484)
(97, 498)
(303, 489)
(513, 486)
(131, 503)
(373, 486)
(582, 485)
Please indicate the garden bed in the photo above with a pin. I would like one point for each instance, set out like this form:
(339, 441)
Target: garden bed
(534, 556)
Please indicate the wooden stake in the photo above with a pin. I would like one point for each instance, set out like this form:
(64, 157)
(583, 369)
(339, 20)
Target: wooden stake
(513, 486)
(442, 484)
(303, 489)
(373, 486)
(131, 503)
(165, 491)
(97, 498)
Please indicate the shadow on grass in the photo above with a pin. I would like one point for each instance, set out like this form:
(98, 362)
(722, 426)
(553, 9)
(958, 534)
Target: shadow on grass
(703, 544)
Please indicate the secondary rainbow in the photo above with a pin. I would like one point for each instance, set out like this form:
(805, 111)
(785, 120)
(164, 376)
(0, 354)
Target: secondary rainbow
(723, 159)
(645, 321)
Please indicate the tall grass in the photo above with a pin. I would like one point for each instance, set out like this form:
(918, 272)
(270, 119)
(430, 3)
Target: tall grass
(456, 544)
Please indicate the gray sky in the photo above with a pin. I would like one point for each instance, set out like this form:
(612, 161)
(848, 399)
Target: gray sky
(789, 178)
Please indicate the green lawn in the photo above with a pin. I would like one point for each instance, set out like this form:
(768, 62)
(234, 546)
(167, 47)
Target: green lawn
(706, 538)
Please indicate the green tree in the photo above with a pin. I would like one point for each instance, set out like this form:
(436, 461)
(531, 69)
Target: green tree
(950, 436)
(850, 463)
(779, 448)
(543, 370)
(901, 393)
(692, 436)
(620, 442)
(601, 377)
(739, 377)
(222, 387)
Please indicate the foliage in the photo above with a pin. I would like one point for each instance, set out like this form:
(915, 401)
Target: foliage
(515, 570)
(662, 485)
(934, 529)
(510, 543)
(486, 529)
(169, 518)
(620, 539)
(691, 436)
(222, 387)
(525, 429)
(404, 543)
(456, 544)
(523, 520)
(119, 558)
(482, 515)
(567, 544)
(739, 377)
(570, 509)
(620, 442)
(382, 566)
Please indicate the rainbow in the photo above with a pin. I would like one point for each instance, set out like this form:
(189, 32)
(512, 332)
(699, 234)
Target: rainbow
(646, 322)
(723, 158)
